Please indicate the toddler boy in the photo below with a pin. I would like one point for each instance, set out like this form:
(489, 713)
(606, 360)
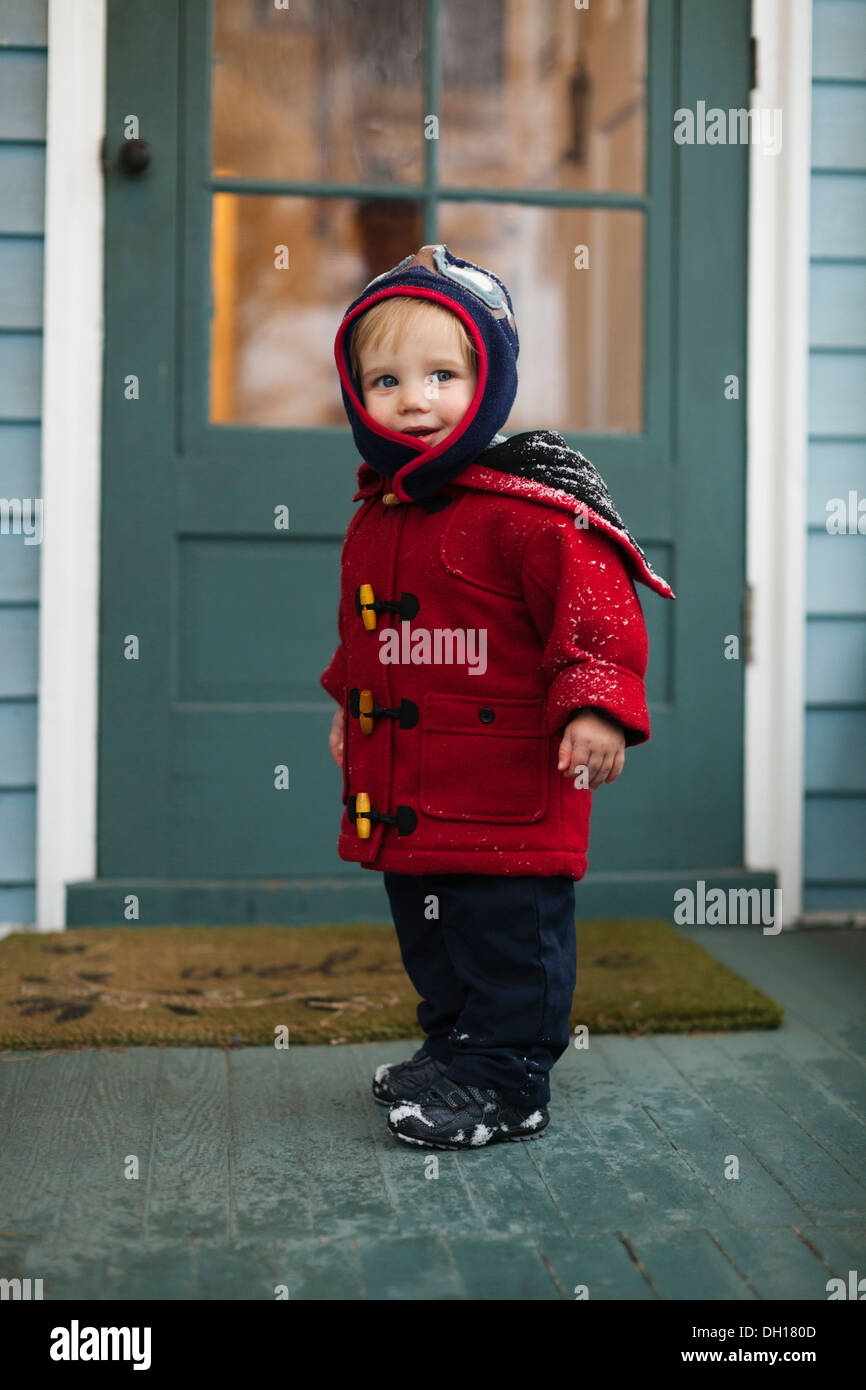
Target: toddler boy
(490, 677)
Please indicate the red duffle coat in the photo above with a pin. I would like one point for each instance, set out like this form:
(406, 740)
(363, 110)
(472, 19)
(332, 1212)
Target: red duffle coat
(462, 762)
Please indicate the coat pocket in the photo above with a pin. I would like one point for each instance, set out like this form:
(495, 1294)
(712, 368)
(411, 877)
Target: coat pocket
(484, 759)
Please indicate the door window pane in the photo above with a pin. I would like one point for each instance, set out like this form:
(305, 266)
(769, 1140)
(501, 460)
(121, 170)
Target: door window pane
(542, 95)
(326, 90)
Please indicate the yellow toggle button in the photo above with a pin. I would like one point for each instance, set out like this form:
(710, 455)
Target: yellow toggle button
(366, 711)
(368, 612)
(363, 824)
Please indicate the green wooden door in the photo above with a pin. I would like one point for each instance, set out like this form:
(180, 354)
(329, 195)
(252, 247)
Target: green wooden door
(293, 155)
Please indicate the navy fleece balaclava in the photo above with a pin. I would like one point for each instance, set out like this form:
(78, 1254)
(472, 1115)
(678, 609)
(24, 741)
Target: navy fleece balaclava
(481, 301)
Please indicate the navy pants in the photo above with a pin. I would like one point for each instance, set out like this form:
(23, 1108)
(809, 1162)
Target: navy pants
(496, 967)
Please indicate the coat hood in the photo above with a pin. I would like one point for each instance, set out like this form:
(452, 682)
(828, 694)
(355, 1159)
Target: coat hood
(540, 466)
(481, 301)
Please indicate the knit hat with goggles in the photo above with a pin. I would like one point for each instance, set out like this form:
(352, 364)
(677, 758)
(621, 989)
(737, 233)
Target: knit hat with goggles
(482, 303)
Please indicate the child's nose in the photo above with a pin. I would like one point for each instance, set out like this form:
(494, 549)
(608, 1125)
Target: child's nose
(413, 396)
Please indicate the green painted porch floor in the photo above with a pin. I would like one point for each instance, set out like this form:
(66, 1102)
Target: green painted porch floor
(261, 1168)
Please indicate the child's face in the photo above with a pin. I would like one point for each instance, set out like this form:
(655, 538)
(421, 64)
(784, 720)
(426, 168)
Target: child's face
(423, 387)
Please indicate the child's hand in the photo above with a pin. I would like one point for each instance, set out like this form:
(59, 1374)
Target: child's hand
(595, 743)
(335, 738)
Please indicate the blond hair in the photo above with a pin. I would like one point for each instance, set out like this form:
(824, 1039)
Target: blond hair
(393, 319)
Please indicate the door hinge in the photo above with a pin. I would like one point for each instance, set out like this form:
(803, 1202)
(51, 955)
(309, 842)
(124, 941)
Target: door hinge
(753, 63)
(748, 653)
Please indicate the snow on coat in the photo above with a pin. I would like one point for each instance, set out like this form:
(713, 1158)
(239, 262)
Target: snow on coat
(497, 607)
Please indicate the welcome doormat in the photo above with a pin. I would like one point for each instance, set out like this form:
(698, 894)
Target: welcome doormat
(230, 986)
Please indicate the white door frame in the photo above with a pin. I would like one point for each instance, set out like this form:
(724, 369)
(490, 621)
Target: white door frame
(71, 450)
(71, 453)
(779, 197)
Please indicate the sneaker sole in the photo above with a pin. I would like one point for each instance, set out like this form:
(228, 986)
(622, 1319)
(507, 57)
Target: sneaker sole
(444, 1144)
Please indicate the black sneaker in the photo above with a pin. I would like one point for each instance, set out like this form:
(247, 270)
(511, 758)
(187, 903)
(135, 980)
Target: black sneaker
(450, 1115)
(398, 1081)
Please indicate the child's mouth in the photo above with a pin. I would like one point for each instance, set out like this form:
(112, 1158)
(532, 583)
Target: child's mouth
(422, 433)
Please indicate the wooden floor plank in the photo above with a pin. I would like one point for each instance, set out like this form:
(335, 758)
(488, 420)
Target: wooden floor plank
(840, 1249)
(830, 1124)
(580, 1177)
(775, 1262)
(188, 1163)
(270, 1187)
(688, 1265)
(830, 963)
(241, 1270)
(320, 1269)
(414, 1268)
(664, 1183)
(77, 1271)
(598, 1262)
(511, 1268)
(44, 1135)
(798, 1163)
(152, 1269)
(700, 1132)
(841, 1080)
(13, 1257)
(510, 1191)
(348, 1192)
(15, 1068)
(20, 1215)
(815, 975)
(115, 1125)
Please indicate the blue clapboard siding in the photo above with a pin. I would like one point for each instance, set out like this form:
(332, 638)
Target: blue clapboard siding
(835, 754)
(839, 40)
(23, 61)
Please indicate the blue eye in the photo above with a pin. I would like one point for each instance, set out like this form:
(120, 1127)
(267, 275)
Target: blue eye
(387, 377)
(443, 371)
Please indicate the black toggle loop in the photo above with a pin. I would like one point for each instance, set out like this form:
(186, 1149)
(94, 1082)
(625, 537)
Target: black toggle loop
(407, 606)
(405, 820)
(407, 712)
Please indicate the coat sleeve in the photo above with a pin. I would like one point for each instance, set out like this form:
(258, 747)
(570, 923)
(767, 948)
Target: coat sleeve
(334, 677)
(584, 605)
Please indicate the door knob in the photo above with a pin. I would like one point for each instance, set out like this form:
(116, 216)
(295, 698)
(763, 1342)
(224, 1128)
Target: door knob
(134, 157)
